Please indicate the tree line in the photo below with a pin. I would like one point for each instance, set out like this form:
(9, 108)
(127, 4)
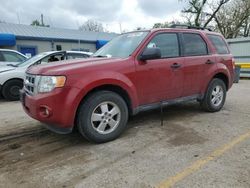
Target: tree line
(229, 17)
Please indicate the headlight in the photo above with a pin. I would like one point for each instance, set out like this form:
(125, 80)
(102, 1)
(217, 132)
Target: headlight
(48, 83)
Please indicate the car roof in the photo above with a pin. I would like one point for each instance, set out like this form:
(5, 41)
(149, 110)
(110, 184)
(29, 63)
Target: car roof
(67, 51)
(205, 31)
(79, 52)
(9, 50)
(185, 30)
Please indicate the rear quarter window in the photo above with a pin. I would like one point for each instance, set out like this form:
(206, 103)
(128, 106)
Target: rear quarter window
(219, 44)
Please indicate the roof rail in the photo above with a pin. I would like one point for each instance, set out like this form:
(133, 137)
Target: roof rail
(183, 26)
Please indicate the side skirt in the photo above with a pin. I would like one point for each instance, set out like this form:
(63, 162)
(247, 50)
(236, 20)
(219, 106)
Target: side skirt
(166, 103)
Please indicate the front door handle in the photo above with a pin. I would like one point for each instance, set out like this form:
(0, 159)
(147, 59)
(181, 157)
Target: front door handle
(175, 66)
(209, 62)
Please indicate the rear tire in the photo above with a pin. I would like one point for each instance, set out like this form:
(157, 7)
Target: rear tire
(10, 90)
(215, 96)
(102, 117)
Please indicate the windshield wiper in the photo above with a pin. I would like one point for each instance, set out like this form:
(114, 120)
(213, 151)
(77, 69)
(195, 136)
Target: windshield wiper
(11, 65)
(100, 56)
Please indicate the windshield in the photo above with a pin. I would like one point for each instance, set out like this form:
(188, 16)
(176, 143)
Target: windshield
(121, 46)
(32, 60)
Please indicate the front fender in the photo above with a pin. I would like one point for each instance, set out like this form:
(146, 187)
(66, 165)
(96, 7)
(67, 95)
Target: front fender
(9, 75)
(97, 79)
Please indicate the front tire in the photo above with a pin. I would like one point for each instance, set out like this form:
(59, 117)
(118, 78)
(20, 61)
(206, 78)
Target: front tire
(215, 96)
(102, 117)
(10, 90)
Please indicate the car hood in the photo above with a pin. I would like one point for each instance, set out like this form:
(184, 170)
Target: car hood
(6, 63)
(64, 67)
(6, 68)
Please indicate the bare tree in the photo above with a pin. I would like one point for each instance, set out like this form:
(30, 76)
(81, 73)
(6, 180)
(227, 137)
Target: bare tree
(161, 25)
(246, 26)
(165, 24)
(233, 21)
(199, 12)
(92, 25)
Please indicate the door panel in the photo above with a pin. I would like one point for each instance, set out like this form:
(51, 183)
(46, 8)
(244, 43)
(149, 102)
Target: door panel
(196, 62)
(157, 81)
(160, 79)
(195, 73)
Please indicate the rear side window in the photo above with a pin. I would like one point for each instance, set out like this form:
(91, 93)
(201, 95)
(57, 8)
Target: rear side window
(168, 44)
(219, 44)
(194, 45)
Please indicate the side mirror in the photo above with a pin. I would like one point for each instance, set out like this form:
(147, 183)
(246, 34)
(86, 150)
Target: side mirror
(150, 53)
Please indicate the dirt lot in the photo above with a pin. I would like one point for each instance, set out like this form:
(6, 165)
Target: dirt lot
(192, 149)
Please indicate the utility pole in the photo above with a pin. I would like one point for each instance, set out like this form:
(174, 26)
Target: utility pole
(18, 18)
(42, 20)
(120, 27)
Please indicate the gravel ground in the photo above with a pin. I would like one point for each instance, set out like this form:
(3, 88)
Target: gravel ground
(144, 156)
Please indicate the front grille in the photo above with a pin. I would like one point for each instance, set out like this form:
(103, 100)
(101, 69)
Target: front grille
(30, 84)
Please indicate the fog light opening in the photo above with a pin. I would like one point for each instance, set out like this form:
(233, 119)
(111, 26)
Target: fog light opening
(45, 111)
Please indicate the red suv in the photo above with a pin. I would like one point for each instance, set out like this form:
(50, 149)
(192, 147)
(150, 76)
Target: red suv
(134, 72)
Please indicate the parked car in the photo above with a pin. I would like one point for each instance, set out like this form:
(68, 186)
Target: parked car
(134, 72)
(11, 56)
(12, 75)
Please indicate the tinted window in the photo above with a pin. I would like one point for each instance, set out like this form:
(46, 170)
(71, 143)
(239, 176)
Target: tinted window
(12, 57)
(194, 45)
(219, 44)
(167, 42)
(1, 57)
(76, 56)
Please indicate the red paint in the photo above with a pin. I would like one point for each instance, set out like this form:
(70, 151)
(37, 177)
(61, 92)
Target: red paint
(145, 82)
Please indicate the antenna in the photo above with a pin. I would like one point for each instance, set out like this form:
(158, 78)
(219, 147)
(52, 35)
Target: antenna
(18, 18)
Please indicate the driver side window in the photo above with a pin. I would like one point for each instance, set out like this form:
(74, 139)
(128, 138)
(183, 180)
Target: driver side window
(168, 44)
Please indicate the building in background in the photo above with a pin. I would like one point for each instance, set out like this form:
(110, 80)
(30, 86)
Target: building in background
(240, 48)
(31, 40)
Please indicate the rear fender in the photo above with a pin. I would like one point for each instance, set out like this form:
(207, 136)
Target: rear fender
(220, 70)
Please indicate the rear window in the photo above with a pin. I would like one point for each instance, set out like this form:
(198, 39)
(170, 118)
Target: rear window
(194, 45)
(219, 44)
(12, 57)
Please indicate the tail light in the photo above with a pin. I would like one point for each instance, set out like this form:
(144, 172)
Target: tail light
(233, 63)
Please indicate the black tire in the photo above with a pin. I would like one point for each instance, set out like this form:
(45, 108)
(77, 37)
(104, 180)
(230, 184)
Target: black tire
(85, 124)
(207, 103)
(10, 90)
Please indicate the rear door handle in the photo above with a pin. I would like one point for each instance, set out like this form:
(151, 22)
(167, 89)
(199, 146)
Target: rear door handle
(209, 62)
(175, 66)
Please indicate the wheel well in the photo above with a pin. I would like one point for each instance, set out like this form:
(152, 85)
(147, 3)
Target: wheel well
(19, 79)
(223, 77)
(116, 89)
